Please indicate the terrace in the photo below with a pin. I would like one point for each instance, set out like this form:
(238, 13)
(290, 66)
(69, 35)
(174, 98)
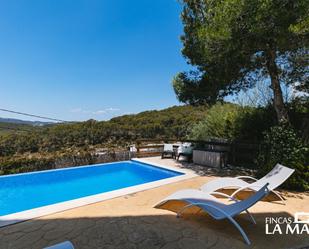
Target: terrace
(130, 221)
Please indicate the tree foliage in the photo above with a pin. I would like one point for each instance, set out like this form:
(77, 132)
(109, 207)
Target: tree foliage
(235, 43)
(233, 122)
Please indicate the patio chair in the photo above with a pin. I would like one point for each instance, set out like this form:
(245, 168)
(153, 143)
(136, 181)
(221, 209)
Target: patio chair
(63, 245)
(168, 150)
(192, 198)
(185, 150)
(278, 175)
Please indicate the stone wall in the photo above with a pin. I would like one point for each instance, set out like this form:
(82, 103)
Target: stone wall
(78, 160)
(29, 164)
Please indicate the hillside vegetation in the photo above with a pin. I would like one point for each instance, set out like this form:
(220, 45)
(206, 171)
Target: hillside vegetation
(7, 128)
(71, 144)
(174, 122)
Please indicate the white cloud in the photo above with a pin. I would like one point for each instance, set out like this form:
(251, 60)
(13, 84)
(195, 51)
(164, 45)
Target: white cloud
(111, 109)
(97, 112)
(76, 110)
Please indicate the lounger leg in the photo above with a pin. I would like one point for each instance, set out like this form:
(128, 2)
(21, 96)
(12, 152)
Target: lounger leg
(244, 235)
(279, 196)
(251, 216)
(181, 210)
(235, 192)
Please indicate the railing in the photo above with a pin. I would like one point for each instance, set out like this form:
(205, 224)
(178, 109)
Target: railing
(149, 150)
(238, 152)
(151, 147)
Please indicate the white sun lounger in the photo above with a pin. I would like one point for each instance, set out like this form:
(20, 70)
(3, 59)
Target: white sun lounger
(278, 175)
(183, 199)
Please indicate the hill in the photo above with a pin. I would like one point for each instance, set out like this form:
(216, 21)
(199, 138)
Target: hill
(16, 126)
(173, 122)
(7, 128)
(20, 121)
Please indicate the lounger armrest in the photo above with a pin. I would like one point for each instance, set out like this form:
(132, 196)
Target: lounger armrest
(246, 177)
(251, 187)
(211, 205)
(224, 195)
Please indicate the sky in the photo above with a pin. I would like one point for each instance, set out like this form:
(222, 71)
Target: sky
(80, 59)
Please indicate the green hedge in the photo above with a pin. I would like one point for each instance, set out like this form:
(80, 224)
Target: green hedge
(283, 145)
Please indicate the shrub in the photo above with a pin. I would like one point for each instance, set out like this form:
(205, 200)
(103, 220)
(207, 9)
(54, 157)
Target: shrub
(219, 123)
(233, 122)
(283, 145)
(21, 165)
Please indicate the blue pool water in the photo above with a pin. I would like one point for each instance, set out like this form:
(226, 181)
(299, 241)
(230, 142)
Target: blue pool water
(31, 190)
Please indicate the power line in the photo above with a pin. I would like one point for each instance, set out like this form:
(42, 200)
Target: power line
(32, 115)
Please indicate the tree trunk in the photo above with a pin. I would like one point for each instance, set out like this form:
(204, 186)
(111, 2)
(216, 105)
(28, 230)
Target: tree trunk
(282, 114)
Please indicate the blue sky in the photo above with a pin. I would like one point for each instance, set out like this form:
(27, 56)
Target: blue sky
(82, 59)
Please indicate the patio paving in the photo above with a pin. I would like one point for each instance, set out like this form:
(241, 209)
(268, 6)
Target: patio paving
(131, 222)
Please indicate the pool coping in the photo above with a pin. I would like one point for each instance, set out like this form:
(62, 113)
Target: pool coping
(14, 218)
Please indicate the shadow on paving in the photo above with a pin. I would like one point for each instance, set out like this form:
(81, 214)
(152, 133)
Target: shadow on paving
(146, 232)
(229, 171)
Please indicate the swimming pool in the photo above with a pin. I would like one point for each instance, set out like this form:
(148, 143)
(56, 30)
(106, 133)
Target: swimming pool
(36, 190)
